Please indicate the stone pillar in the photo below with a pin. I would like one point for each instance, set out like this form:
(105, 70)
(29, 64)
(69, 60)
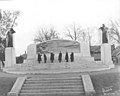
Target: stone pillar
(85, 48)
(31, 54)
(10, 58)
(106, 55)
(31, 51)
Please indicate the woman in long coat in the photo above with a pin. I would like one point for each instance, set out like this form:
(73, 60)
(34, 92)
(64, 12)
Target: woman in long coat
(52, 57)
(39, 57)
(66, 57)
(60, 57)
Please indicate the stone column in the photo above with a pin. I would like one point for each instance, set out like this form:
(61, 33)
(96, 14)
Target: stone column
(85, 48)
(106, 55)
(10, 57)
(85, 51)
(31, 51)
(31, 54)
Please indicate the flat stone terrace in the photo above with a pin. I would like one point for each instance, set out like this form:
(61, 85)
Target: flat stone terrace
(63, 67)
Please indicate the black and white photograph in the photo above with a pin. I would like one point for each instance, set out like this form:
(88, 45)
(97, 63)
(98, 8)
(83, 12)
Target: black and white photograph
(59, 47)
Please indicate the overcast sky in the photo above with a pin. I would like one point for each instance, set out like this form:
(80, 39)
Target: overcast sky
(57, 13)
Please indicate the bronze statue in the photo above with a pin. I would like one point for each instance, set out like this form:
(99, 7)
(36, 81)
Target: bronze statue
(10, 38)
(66, 57)
(60, 57)
(72, 56)
(104, 33)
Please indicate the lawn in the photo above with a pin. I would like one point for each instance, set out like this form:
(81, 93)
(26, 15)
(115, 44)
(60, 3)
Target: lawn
(106, 81)
(6, 84)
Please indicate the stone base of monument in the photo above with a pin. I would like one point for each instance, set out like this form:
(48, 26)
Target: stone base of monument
(106, 57)
(63, 67)
(10, 58)
(88, 58)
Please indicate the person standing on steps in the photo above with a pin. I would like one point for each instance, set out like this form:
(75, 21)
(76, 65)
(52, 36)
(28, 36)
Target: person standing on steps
(45, 58)
(60, 57)
(66, 57)
(39, 58)
(52, 57)
(72, 57)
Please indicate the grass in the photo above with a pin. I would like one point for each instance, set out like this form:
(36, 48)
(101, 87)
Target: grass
(106, 80)
(6, 84)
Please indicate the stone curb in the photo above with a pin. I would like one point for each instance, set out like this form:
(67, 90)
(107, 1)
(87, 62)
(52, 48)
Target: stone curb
(17, 86)
(88, 86)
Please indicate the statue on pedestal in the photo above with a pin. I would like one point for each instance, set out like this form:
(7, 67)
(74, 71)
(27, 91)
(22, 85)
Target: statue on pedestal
(9, 41)
(104, 33)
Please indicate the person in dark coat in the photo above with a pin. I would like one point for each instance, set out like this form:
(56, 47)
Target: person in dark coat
(60, 57)
(72, 57)
(52, 57)
(66, 57)
(45, 58)
(39, 57)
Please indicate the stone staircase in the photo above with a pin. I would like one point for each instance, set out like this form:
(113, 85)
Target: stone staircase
(53, 85)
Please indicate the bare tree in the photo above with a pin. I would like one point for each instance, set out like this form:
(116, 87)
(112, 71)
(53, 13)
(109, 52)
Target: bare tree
(45, 34)
(75, 32)
(89, 35)
(7, 21)
(113, 31)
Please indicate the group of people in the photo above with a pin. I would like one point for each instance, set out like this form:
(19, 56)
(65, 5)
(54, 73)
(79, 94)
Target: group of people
(59, 57)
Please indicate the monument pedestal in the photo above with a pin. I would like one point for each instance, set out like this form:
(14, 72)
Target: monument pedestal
(31, 54)
(85, 51)
(106, 57)
(10, 58)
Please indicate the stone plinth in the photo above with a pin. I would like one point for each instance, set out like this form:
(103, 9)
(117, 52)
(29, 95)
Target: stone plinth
(10, 58)
(106, 57)
(85, 49)
(31, 54)
(31, 51)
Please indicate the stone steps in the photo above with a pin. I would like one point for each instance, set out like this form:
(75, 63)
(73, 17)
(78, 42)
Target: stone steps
(52, 78)
(51, 90)
(52, 81)
(53, 85)
(54, 94)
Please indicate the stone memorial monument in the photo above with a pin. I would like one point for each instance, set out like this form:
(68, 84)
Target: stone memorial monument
(106, 57)
(10, 58)
(81, 50)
